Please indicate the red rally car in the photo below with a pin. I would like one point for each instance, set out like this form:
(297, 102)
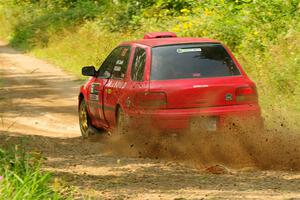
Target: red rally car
(168, 83)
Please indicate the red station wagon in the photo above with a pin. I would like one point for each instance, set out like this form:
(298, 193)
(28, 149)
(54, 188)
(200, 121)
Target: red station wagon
(168, 83)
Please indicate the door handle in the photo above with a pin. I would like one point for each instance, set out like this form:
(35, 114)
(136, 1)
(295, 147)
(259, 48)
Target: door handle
(95, 88)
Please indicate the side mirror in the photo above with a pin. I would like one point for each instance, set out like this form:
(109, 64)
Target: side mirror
(88, 71)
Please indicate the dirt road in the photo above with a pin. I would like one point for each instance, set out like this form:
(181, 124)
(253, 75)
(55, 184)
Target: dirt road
(38, 106)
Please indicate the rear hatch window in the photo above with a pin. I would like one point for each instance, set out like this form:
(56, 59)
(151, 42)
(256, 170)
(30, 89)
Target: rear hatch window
(185, 61)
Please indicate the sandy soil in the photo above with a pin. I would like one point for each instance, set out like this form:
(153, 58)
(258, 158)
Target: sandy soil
(38, 107)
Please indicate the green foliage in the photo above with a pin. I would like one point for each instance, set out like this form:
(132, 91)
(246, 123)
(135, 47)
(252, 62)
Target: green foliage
(21, 176)
(176, 5)
(46, 18)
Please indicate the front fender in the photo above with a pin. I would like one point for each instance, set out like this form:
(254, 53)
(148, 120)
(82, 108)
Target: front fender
(82, 95)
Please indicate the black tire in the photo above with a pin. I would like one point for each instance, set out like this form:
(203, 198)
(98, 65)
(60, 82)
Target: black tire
(84, 121)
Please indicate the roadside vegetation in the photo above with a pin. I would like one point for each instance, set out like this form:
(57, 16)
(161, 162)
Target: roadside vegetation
(264, 35)
(21, 176)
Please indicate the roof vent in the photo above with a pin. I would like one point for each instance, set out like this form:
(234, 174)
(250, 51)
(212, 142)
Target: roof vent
(155, 35)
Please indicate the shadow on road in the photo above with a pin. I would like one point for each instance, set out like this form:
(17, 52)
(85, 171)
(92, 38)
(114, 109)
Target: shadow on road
(24, 90)
(5, 48)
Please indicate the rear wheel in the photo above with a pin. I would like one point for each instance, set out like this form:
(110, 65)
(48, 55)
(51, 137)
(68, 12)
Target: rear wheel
(84, 121)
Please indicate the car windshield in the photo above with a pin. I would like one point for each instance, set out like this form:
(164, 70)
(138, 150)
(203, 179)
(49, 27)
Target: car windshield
(191, 61)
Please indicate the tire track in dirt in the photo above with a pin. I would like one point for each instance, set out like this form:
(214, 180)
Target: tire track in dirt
(38, 104)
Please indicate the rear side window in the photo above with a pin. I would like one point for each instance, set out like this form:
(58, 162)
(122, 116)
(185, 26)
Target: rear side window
(138, 64)
(191, 61)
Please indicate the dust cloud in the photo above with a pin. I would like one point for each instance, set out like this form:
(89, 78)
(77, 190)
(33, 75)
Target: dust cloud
(235, 148)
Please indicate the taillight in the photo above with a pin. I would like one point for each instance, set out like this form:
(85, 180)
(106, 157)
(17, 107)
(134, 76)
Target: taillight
(150, 100)
(246, 94)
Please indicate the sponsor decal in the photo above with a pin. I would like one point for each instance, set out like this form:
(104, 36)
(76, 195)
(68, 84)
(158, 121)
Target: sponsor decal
(117, 68)
(119, 62)
(189, 50)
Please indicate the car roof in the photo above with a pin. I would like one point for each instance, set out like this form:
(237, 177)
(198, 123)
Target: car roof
(169, 41)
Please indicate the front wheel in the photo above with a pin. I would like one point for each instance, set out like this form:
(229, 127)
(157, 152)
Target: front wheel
(84, 121)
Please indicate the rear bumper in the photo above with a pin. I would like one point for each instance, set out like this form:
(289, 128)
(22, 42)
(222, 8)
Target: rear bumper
(181, 118)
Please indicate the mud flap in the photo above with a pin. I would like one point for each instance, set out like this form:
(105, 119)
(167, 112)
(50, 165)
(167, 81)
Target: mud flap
(94, 131)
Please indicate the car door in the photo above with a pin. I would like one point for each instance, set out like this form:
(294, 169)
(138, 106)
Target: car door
(96, 90)
(113, 90)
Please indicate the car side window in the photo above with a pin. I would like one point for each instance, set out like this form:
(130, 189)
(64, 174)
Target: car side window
(138, 64)
(106, 68)
(121, 63)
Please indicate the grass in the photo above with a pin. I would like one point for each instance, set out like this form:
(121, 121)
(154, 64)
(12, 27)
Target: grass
(21, 176)
(85, 47)
(264, 35)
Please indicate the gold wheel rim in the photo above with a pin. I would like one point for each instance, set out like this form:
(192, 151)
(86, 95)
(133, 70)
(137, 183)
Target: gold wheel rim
(83, 119)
